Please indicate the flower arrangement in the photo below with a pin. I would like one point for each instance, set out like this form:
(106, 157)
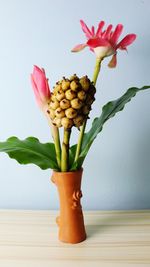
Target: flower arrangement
(68, 106)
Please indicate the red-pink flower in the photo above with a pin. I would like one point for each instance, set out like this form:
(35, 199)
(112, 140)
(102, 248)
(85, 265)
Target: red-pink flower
(40, 86)
(105, 42)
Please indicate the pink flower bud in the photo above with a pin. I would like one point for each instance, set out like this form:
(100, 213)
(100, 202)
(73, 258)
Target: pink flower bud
(40, 86)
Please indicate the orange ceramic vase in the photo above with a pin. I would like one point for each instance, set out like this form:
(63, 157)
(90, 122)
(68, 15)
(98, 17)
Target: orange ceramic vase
(70, 221)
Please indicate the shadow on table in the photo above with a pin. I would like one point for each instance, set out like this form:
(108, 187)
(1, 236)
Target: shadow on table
(104, 224)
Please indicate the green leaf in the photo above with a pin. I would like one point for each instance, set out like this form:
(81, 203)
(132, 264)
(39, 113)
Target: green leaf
(108, 111)
(29, 151)
(72, 151)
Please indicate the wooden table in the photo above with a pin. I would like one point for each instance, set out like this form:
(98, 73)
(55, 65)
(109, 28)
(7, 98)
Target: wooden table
(115, 238)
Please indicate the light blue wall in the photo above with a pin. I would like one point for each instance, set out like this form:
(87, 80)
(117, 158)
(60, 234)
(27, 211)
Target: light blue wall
(42, 32)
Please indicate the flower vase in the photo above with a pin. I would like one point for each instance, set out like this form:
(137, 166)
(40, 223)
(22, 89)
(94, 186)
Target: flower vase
(70, 220)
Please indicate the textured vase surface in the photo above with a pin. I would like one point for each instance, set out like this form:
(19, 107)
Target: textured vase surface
(70, 220)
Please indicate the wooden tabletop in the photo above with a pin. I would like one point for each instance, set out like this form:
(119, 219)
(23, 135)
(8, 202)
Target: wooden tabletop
(115, 238)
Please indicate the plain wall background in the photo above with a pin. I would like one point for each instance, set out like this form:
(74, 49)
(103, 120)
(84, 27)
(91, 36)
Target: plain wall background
(42, 32)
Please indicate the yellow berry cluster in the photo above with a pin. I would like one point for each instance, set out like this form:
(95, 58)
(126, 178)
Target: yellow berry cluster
(71, 101)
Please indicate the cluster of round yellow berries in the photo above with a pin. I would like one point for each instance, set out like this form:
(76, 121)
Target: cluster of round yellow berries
(71, 101)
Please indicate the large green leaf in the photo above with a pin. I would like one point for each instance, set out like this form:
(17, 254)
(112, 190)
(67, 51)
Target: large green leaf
(108, 111)
(29, 151)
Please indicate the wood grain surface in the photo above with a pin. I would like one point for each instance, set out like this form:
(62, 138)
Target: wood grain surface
(114, 238)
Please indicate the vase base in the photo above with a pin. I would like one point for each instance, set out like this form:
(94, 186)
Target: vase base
(73, 241)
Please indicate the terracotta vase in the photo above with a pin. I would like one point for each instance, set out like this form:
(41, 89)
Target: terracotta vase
(70, 221)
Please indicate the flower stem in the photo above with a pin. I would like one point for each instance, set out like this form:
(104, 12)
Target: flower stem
(65, 150)
(96, 70)
(82, 128)
(56, 138)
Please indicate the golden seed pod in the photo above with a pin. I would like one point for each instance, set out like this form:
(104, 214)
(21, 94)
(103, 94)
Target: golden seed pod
(66, 122)
(70, 94)
(60, 95)
(65, 103)
(70, 113)
(57, 122)
(74, 85)
(85, 83)
(81, 95)
(57, 88)
(59, 113)
(51, 113)
(90, 99)
(54, 104)
(76, 103)
(74, 77)
(78, 121)
(92, 90)
(53, 97)
(86, 109)
(65, 84)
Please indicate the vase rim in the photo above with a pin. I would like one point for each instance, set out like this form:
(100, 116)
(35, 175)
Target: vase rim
(69, 172)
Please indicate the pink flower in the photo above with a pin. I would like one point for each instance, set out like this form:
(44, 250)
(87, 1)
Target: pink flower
(40, 86)
(105, 43)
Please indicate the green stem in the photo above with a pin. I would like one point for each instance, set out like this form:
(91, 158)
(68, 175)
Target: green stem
(96, 70)
(56, 138)
(82, 128)
(65, 151)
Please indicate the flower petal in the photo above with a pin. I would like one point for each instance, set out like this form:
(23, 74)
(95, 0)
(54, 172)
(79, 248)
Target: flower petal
(95, 42)
(48, 92)
(85, 29)
(102, 47)
(78, 47)
(103, 51)
(127, 40)
(99, 30)
(38, 77)
(93, 30)
(43, 71)
(41, 83)
(116, 34)
(113, 61)
(35, 89)
(106, 34)
(48, 89)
